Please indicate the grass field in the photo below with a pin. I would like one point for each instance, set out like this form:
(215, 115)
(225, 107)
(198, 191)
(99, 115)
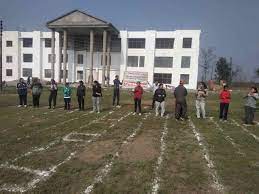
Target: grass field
(53, 151)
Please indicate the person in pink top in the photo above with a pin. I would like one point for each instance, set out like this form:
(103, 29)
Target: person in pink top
(138, 92)
(225, 97)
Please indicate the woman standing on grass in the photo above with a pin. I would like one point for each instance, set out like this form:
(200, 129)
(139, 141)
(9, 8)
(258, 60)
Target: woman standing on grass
(53, 93)
(96, 97)
(81, 95)
(201, 95)
(250, 105)
(138, 92)
(22, 92)
(225, 97)
(67, 96)
(36, 89)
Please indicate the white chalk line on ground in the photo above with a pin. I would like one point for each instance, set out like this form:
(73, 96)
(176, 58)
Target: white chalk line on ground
(156, 181)
(43, 175)
(227, 137)
(245, 129)
(108, 166)
(69, 139)
(38, 176)
(216, 183)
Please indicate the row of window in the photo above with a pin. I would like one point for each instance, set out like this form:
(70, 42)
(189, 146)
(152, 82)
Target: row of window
(161, 62)
(166, 78)
(136, 43)
(161, 43)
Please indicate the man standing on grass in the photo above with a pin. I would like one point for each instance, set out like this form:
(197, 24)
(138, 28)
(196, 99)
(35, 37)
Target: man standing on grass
(116, 91)
(138, 92)
(53, 93)
(22, 92)
(180, 94)
(159, 96)
(81, 95)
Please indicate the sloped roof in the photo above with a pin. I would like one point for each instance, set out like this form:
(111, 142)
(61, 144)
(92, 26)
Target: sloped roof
(79, 19)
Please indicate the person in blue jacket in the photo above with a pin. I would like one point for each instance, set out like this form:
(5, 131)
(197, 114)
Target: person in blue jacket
(22, 92)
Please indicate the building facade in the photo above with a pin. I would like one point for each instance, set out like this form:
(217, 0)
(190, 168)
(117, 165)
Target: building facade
(166, 56)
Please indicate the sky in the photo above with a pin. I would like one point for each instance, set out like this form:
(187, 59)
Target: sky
(231, 27)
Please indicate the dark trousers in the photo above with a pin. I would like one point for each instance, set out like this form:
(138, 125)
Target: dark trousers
(23, 99)
(36, 100)
(137, 105)
(67, 103)
(53, 97)
(153, 102)
(116, 95)
(249, 114)
(81, 102)
(181, 110)
(223, 111)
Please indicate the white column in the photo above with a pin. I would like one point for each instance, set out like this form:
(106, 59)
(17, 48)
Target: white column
(104, 56)
(53, 54)
(64, 56)
(90, 80)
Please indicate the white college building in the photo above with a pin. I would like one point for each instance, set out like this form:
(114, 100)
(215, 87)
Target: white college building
(164, 56)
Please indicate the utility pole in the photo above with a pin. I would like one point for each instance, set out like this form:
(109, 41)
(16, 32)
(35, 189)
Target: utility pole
(1, 65)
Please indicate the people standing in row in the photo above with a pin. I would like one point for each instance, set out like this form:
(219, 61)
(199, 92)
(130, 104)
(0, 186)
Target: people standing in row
(116, 91)
(159, 98)
(22, 92)
(250, 105)
(36, 89)
(180, 94)
(154, 88)
(200, 102)
(96, 96)
(67, 96)
(138, 92)
(225, 97)
(53, 93)
(81, 95)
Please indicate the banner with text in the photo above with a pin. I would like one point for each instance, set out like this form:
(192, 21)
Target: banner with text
(131, 78)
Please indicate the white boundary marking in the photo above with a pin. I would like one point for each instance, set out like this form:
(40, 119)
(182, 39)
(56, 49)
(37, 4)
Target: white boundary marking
(39, 176)
(107, 168)
(155, 183)
(227, 138)
(245, 129)
(216, 184)
(69, 139)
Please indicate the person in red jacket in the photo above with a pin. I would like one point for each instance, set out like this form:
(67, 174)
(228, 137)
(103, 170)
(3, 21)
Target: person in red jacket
(225, 97)
(138, 92)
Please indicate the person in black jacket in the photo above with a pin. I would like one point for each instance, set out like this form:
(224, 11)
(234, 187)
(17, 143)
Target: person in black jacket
(180, 94)
(81, 95)
(96, 97)
(116, 91)
(159, 98)
(36, 89)
(53, 93)
(22, 92)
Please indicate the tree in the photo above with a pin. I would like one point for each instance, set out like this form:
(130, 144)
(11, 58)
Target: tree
(257, 72)
(207, 62)
(223, 70)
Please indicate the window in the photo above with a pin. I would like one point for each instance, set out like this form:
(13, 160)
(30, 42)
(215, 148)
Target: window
(27, 58)
(61, 73)
(187, 42)
(186, 61)
(164, 43)
(165, 78)
(185, 78)
(27, 72)
(62, 58)
(9, 72)
(136, 43)
(9, 59)
(27, 42)
(9, 43)
(47, 73)
(47, 42)
(80, 59)
(141, 61)
(164, 62)
(80, 75)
